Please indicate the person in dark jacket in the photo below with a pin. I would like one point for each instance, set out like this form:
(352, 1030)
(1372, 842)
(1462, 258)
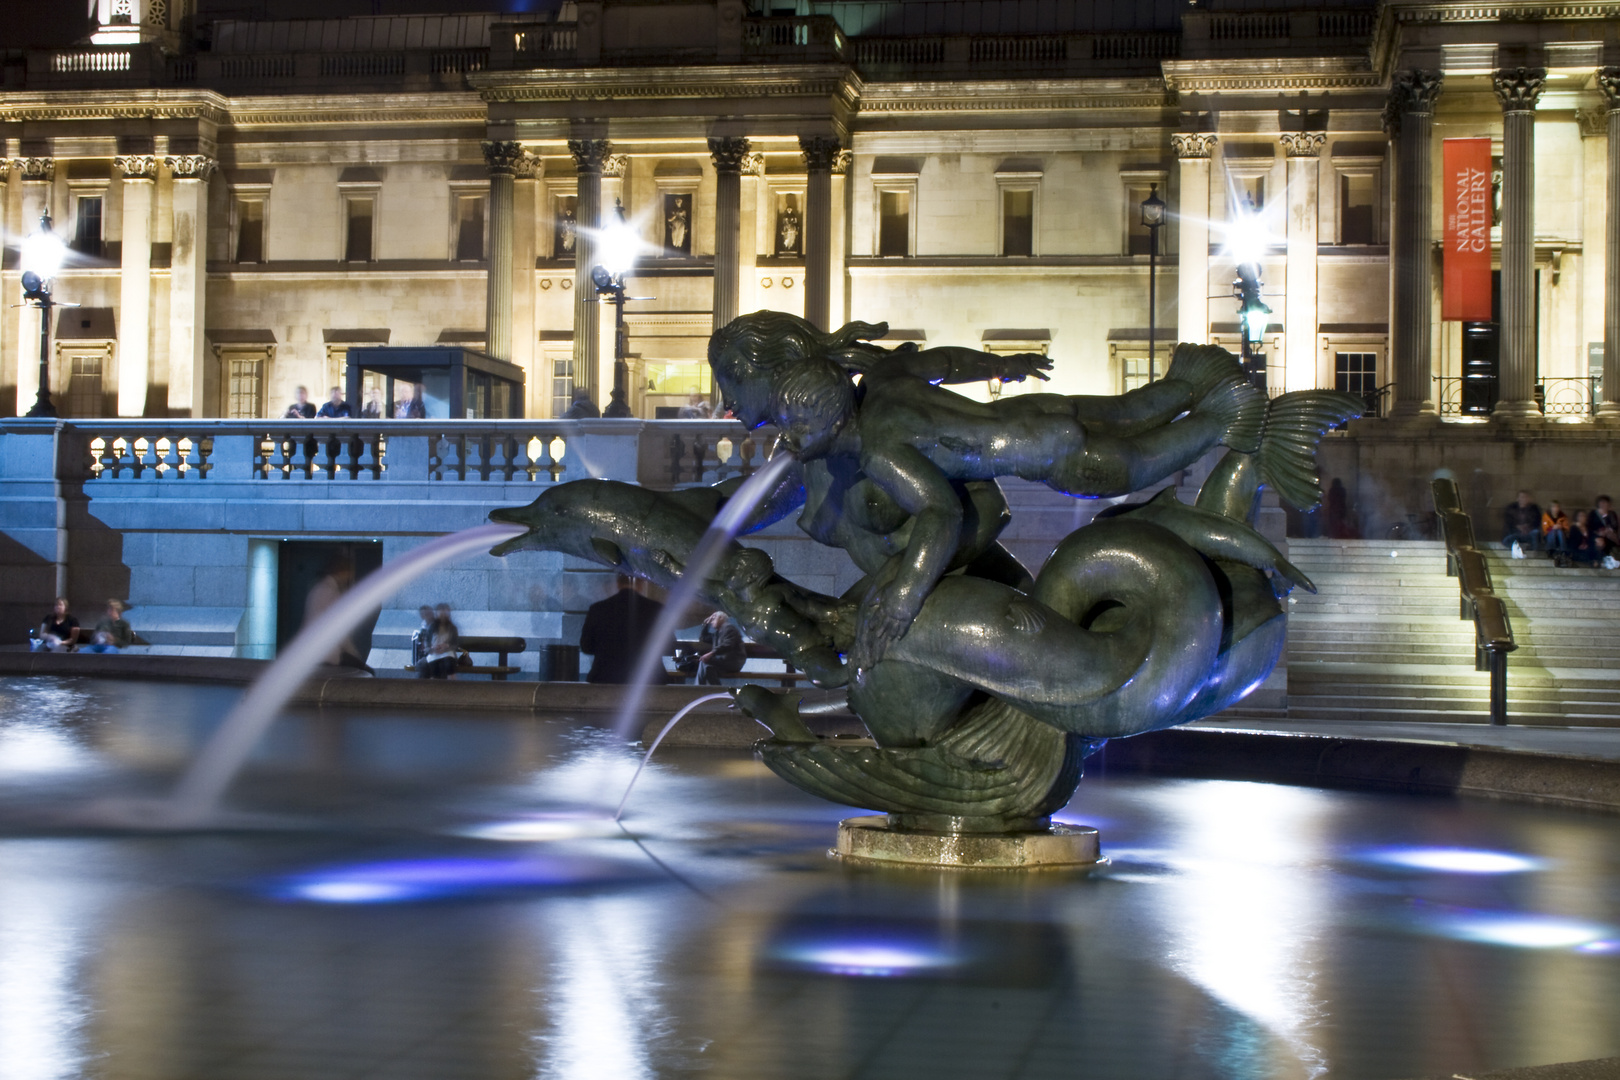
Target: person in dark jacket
(1579, 544)
(617, 407)
(300, 409)
(58, 631)
(615, 632)
(1603, 526)
(723, 650)
(334, 408)
(1521, 523)
(582, 407)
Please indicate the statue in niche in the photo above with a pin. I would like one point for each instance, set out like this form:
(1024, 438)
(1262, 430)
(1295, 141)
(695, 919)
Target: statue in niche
(787, 227)
(984, 686)
(566, 234)
(677, 222)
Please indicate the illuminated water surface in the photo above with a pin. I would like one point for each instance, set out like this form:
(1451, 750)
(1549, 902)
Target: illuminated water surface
(449, 898)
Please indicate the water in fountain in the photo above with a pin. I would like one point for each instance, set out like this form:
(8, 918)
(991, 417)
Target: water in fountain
(197, 795)
(667, 728)
(727, 523)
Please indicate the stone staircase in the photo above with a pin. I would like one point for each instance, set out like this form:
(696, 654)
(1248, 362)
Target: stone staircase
(1382, 639)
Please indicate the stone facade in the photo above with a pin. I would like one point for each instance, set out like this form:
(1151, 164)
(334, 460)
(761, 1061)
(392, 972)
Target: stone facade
(304, 186)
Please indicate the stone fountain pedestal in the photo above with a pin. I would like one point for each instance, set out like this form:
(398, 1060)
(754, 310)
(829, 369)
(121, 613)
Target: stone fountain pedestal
(941, 843)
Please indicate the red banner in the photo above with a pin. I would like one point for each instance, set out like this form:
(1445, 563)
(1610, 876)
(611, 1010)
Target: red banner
(1467, 284)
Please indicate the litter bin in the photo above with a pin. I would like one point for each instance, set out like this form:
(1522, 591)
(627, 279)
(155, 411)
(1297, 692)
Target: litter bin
(559, 663)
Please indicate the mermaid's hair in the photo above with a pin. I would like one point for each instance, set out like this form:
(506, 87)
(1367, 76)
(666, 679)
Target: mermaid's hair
(806, 369)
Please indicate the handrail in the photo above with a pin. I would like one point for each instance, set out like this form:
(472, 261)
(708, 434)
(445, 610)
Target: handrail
(1493, 633)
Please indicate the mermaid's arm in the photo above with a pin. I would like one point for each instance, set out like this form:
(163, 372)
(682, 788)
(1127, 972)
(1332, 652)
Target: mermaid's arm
(952, 364)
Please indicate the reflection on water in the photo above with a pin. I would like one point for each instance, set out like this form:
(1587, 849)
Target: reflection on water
(468, 909)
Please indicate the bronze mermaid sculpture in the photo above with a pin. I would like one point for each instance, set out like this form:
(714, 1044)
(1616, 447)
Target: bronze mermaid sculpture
(983, 687)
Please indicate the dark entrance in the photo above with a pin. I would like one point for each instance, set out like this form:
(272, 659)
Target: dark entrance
(302, 564)
(1482, 357)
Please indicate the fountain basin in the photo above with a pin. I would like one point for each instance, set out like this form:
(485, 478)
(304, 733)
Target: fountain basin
(876, 839)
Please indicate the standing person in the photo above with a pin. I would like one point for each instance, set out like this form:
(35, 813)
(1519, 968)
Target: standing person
(410, 406)
(1521, 524)
(59, 631)
(113, 632)
(373, 409)
(300, 409)
(617, 407)
(724, 653)
(582, 407)
(615, 632)
(339, 576)
(334, 408)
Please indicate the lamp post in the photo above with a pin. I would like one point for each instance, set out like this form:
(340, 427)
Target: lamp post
(1248, 247)
(42, 255)
(1152, 221)
(616, 247)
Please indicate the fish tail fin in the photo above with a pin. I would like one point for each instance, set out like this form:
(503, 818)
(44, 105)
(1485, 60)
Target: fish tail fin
(1239, 409)
(1294, 425)
(1202, 367)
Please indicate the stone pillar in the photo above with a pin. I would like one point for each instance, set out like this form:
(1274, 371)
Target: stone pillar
(502, 160)
(525, 333)
(728, 155)
(590, 155)
(1192, 256)
(1608, 80)
(1517, 89)
(820, 152)
(1299, 308)
(189, 385)
(1409, 118)
(135, 284)
(37, 175)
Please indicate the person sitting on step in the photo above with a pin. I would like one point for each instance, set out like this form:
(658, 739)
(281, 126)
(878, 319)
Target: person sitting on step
(1521, 524)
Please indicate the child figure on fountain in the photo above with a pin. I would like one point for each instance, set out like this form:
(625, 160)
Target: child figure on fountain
(915, 440)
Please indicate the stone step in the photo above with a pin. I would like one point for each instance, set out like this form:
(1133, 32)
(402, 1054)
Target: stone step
(1356, 711)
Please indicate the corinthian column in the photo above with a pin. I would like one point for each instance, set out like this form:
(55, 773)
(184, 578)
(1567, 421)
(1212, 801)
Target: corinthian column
(1409, 118)
(503, 159)
(135, 285)
(188, 375)
(1299, 309)
(590, 155)
(1608, 80)
(1517, 89)
(1192, 256)
(728, 155)
(820, 152)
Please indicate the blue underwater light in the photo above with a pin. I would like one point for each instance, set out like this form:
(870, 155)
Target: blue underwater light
(443, 879)
(1453, 860)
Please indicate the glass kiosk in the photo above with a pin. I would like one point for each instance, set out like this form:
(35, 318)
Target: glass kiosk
(434, 382)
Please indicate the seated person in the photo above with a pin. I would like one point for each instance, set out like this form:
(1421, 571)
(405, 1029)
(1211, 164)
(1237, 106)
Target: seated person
(1579, 543)
(1603, 525)
(422, 639)
(59, 631)
(1555, 530)
(723, 651)
(440, 660)
(1521, 524)
(113, 632)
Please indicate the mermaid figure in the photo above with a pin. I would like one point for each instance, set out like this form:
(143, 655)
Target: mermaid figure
(983, 686)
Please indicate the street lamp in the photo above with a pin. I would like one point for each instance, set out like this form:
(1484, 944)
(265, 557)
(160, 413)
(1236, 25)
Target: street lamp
(1152, 221)
(617, 247)
(42, 255)
(1247, 244)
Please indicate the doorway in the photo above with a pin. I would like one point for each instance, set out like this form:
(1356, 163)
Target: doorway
(301, 566)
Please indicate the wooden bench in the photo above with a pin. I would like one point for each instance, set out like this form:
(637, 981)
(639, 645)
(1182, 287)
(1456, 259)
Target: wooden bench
(788, 677)
(502, 647)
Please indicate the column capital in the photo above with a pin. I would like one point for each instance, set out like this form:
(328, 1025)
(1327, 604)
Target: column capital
(842, 161)
(137, 167)
(1193, 145)
(508, 158)
(36, 168)
(1518, 88)
(1411, 91)
(1302, 144)
(753, 164)
(590, 155)
(191, 166)
(729, 153)
(615, 164)
(820, 152)
(1608, 81)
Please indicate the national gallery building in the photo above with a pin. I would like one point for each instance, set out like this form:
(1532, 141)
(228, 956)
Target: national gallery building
(247, 200)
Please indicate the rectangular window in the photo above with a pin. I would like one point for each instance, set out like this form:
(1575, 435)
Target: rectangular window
(84, 396)
(87, 226)
(1358, 200)
(249, 230)
(357, 247)
(244, 387)
(894, 223)
(1135, 370)
(1248, 194)
(562, 384)
(470, 228)
(1017, 222)
(1355, 373)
